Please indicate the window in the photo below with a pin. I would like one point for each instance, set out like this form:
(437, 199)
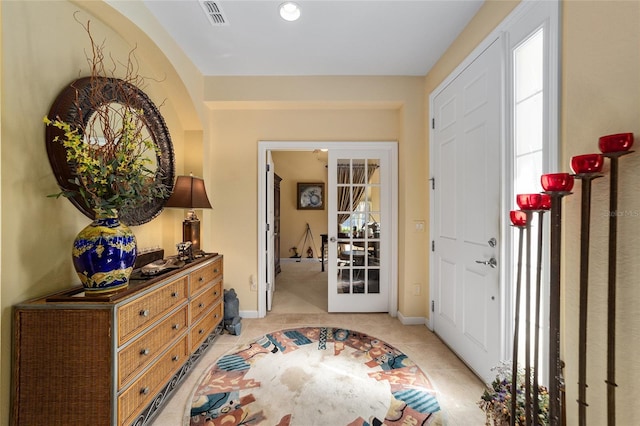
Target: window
(533, 105)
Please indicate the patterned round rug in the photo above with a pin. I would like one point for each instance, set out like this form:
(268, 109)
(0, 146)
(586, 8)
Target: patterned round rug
(314, 376)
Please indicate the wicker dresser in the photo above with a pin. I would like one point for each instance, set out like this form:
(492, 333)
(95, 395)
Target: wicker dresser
(113, 359)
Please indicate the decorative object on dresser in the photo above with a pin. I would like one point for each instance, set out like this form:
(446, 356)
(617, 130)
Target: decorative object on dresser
(113, 359)
(189, 193)
(104, 253)
(112, 156)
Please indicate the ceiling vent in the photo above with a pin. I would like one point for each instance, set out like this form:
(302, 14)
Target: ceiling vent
(214, 13)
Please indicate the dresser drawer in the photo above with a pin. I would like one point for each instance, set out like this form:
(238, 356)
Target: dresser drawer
(145, 349)
(134, 316)
(205, 326)
(203, 276)
(146, 388)
(205, 301)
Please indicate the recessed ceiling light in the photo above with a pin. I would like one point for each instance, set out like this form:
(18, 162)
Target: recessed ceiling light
(289, 11)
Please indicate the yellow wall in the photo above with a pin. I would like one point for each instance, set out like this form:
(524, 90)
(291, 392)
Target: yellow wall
(4, 357)
(601, 96)
(235, 132)
(45, 54)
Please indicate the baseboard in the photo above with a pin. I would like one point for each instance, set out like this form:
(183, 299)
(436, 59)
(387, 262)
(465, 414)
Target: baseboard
(412, 320)
(299, 259)
(404, 320)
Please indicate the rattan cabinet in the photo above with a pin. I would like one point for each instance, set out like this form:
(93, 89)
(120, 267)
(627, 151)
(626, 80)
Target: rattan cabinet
(113, 359)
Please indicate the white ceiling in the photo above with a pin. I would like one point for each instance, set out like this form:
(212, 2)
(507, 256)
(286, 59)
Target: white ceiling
(346, 37)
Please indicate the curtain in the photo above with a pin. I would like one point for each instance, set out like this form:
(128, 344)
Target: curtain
(360, 176)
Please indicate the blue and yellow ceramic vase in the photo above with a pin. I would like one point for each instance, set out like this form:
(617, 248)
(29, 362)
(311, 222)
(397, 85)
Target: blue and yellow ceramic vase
(103, 255)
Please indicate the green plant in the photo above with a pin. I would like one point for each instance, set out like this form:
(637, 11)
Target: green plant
(113, 172)
(496, 400)
(111, 151)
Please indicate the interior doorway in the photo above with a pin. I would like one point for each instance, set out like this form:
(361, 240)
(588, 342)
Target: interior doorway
(388, 274)
(300, 282)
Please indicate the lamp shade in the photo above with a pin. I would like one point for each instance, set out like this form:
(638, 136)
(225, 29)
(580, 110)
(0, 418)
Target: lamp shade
(189, 193)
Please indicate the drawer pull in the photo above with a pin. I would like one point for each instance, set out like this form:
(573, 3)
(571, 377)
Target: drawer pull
(174, 294)
(145, 351)
(200, 279)
(215, 315)
(144, 391)
(200, 331)
(144, 313)
(176, 326)
(215, 293)
(175, 358)
(215, 271)
(201, 305)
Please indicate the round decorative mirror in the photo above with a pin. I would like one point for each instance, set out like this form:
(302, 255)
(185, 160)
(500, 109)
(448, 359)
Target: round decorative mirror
(75, 106)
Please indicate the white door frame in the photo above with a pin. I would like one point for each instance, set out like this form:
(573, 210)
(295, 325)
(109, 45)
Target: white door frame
(552, 9)
(264, 146)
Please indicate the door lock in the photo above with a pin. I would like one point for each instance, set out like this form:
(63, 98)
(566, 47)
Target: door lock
(492, 242)
(491, 262)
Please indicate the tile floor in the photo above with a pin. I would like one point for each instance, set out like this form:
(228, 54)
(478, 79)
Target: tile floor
(459, 389)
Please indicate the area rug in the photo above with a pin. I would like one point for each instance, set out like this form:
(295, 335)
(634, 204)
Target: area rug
(314, 376)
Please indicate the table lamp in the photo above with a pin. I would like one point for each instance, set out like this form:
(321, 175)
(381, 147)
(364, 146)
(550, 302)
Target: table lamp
(189, 193)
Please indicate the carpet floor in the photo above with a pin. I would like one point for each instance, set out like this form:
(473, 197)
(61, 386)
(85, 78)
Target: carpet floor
(301, 287)
(314, 376)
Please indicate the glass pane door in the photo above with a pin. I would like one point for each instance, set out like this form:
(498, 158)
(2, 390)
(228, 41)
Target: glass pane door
(357, 215)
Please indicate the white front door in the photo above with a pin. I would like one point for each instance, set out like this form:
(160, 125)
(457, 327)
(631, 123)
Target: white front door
(360, 230)
(467, 220)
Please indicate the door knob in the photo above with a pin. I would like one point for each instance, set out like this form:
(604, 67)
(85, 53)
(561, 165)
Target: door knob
(491, 262)
(333, 239)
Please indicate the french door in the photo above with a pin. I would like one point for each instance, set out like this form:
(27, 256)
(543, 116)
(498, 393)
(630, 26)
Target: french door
(372, 282)
(361, 226)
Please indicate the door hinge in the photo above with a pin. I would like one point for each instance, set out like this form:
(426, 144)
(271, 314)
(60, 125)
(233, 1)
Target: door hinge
(433, 123)
(433, 306)
(433, 245)
(433, 182)
(268, 227)
(268, 167)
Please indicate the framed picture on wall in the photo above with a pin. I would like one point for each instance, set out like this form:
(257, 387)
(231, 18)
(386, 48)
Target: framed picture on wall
(311, 196)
